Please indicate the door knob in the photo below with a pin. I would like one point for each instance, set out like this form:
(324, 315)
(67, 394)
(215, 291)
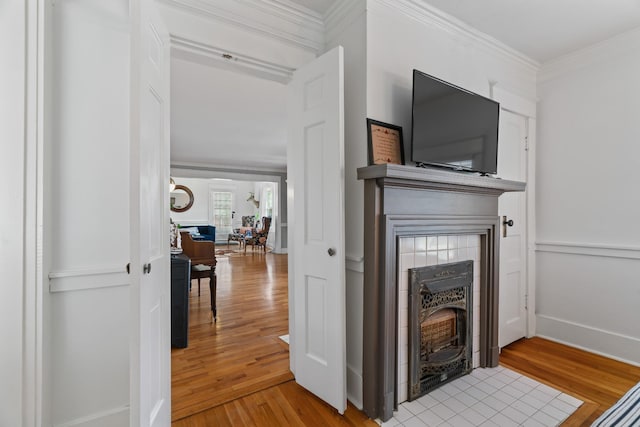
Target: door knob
(509, 222)
(331, 252)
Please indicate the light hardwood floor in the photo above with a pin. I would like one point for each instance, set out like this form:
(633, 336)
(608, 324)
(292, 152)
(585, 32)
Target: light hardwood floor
(240, 353)
(236, 372)
(596, 380)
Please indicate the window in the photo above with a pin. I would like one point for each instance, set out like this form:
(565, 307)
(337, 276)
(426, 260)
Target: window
(222, 206)
(268, 195)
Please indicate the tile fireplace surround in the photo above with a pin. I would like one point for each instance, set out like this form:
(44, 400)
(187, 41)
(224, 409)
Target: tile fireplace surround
(405, 206)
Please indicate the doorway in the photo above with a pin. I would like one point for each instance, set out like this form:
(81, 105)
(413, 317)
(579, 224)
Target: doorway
(241, 353)
(315, 159)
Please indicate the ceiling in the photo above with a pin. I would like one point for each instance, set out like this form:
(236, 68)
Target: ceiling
(226, 119)
(546, 29)
(230, 119)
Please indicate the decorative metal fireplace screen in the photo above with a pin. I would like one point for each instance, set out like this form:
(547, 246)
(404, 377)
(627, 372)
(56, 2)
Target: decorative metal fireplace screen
(440, 325)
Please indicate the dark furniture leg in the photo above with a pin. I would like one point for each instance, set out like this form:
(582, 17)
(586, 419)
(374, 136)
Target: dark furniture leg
(213, 287)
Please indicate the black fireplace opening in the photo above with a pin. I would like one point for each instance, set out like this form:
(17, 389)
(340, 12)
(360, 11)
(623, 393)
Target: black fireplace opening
(440, 325)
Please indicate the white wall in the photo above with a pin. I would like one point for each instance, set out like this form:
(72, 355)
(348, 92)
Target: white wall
(398, 43)
(87, 213)
(12, 160)
(241, 205)
(198, 214)
(588, 205)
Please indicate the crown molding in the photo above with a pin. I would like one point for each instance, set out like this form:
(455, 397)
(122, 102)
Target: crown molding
(600, 52)
(429, 15)
(340, 16)
(277, 19)
(288, 10)
(228, 168)
(222, 58)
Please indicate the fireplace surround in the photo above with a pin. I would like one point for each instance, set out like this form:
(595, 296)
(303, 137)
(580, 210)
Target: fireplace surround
(404, 201)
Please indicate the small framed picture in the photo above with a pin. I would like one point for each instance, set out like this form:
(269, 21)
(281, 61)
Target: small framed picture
(385, 143)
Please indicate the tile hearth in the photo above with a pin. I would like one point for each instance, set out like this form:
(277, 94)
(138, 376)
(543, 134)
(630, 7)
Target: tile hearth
(487, 397)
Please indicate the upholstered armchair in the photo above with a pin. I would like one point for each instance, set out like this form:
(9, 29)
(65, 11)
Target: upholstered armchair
(259, 238)
(248, 221)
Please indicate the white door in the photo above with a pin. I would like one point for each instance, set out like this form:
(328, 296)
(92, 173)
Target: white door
(315, 152)
(512, 165)
(150, 368)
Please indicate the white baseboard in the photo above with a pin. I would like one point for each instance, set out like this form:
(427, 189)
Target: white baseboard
(109, 418)
(354, 387)
(605, 343)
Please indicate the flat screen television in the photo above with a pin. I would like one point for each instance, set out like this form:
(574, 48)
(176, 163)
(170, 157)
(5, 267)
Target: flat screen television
(453, 127)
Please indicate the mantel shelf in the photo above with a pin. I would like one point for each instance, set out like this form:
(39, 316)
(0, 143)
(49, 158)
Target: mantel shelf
(411, 176)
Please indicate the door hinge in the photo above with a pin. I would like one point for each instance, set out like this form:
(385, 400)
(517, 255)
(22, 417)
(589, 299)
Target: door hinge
(526, 143)
(526, 302)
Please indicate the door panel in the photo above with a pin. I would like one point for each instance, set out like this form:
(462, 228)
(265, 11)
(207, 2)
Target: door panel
(150, 315)
(316, 216)
(512, 161)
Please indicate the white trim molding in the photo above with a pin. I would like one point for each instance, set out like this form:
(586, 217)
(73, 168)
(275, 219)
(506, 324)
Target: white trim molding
(221, 168)
(594, 340)
(114, 416)
(354, 386)
(513, 102)
(340, 17)
(429, 15)
(192, 50)
(589, 249)
(276, 19)
(75, 280)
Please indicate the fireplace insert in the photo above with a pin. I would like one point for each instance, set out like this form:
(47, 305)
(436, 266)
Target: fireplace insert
(440, 325)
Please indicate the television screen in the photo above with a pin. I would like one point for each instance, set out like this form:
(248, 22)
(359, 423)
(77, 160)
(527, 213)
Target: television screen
(453, 127)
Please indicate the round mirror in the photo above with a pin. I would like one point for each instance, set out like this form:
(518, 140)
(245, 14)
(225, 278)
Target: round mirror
(181, 199)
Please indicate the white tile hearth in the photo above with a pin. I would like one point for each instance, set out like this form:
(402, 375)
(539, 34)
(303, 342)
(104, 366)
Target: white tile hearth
(493, 397)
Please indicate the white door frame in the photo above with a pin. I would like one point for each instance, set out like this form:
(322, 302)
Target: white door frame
(33, 39)
(527, 108)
